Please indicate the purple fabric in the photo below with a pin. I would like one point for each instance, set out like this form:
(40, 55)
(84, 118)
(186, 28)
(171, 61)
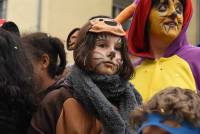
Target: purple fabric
(182, 48)
(136, 61)
(191, 54)
(136, 1)
(178, 43)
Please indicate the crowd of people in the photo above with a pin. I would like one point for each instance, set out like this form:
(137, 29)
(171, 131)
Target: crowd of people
(146, 82)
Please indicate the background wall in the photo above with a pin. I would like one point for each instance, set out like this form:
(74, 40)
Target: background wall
(58, 17)
(193, 31)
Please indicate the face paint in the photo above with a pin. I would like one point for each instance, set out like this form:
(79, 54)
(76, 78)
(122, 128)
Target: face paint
(166, 19)
(106, 56)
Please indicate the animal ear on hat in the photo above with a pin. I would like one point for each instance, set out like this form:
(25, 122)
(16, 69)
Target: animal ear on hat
(127, 13)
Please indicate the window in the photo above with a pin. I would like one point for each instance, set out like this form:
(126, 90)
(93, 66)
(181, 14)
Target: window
(3, 6)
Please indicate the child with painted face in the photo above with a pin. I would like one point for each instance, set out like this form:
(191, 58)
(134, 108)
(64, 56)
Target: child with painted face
(157, 36)
(47, 55)
(102, 95)
(171, 111)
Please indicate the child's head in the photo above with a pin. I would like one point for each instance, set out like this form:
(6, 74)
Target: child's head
(102, 48)
(173, 110)
(47, 55)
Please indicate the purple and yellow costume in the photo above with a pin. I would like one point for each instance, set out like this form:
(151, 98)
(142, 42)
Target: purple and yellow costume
(179, 67)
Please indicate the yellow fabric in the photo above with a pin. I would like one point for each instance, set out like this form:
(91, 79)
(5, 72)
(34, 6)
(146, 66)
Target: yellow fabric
(154, 75)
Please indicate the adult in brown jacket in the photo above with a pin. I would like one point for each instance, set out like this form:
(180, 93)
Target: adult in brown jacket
(96, 97)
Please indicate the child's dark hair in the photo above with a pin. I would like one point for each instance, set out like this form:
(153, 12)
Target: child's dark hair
(86, 43)
(184, 104)
(40, 43)
(16, 86)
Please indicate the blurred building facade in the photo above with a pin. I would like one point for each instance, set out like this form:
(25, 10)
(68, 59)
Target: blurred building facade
(58, 17)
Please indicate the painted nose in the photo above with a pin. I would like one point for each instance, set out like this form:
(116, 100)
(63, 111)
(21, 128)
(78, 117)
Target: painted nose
(173, 15)
(112, 55)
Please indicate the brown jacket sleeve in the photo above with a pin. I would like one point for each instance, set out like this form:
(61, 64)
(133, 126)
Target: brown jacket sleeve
(45, 119)
(75, 120)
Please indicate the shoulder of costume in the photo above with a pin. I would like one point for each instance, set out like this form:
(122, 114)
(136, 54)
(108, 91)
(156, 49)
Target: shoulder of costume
(190, 53)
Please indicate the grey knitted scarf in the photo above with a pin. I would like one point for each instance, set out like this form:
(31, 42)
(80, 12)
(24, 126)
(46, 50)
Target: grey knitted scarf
(96, 93)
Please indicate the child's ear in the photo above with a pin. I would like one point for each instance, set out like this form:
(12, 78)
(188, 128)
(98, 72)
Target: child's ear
(45, 60)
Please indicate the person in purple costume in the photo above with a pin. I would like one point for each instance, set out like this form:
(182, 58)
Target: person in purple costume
(157, 37)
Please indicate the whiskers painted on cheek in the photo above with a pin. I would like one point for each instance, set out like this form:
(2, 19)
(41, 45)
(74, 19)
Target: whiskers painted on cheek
(98, 56)
(98, 53)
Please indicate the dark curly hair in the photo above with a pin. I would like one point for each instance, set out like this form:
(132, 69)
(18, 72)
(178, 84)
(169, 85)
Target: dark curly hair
(16, 86)
(37, 44)
(86, 43)
(183, 103)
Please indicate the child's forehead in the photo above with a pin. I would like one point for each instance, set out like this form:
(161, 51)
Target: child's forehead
(109, 38)
(106, 36)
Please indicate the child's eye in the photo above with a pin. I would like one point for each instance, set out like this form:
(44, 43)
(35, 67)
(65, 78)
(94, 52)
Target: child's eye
(101, 45)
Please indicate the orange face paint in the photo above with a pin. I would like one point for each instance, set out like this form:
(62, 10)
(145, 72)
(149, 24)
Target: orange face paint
(166, 19)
